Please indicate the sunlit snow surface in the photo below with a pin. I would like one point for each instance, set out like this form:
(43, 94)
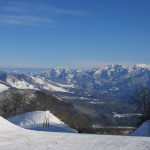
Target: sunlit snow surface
(3, 88)
(16, 138)
(19, 84)
(35, 84)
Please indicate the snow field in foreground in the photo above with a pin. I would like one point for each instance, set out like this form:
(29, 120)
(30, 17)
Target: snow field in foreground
(16, 138)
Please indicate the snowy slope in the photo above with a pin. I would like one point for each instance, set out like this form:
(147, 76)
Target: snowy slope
(20, 84)
(6, 125)
(143, 130)
(3, 87)
(34, 120)
(33, 82)
(15, 138)
(45, 84)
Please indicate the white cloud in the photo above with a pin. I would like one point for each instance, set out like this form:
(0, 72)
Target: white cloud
(29, 13)
(25, 20)
(61, 11)
(30, 8)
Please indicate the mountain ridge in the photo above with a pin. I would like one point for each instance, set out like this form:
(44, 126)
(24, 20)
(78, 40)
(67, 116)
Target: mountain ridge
(112, 81)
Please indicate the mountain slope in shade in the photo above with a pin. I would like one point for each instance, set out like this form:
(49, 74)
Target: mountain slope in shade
(34, 120)
(143, 130)
(16, 138)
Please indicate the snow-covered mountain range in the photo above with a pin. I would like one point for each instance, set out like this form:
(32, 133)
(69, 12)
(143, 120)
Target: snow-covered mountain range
(112, 81)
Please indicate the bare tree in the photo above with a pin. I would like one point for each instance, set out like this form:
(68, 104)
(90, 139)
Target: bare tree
(142, 101)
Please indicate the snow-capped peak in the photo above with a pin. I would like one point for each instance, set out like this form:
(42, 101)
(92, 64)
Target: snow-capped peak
(141, 66)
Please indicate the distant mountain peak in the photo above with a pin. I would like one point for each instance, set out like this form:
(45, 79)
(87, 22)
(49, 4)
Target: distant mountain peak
(143, 66)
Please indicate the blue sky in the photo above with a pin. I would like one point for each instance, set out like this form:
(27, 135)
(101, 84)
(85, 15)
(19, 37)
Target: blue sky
(79, 33)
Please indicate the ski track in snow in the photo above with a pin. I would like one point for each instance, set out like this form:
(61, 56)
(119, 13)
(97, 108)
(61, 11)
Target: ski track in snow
(34, 120)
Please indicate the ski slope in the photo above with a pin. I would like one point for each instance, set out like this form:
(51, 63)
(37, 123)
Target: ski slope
(34, 120)
(143, 130)
(3, 87)
(16, 138)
